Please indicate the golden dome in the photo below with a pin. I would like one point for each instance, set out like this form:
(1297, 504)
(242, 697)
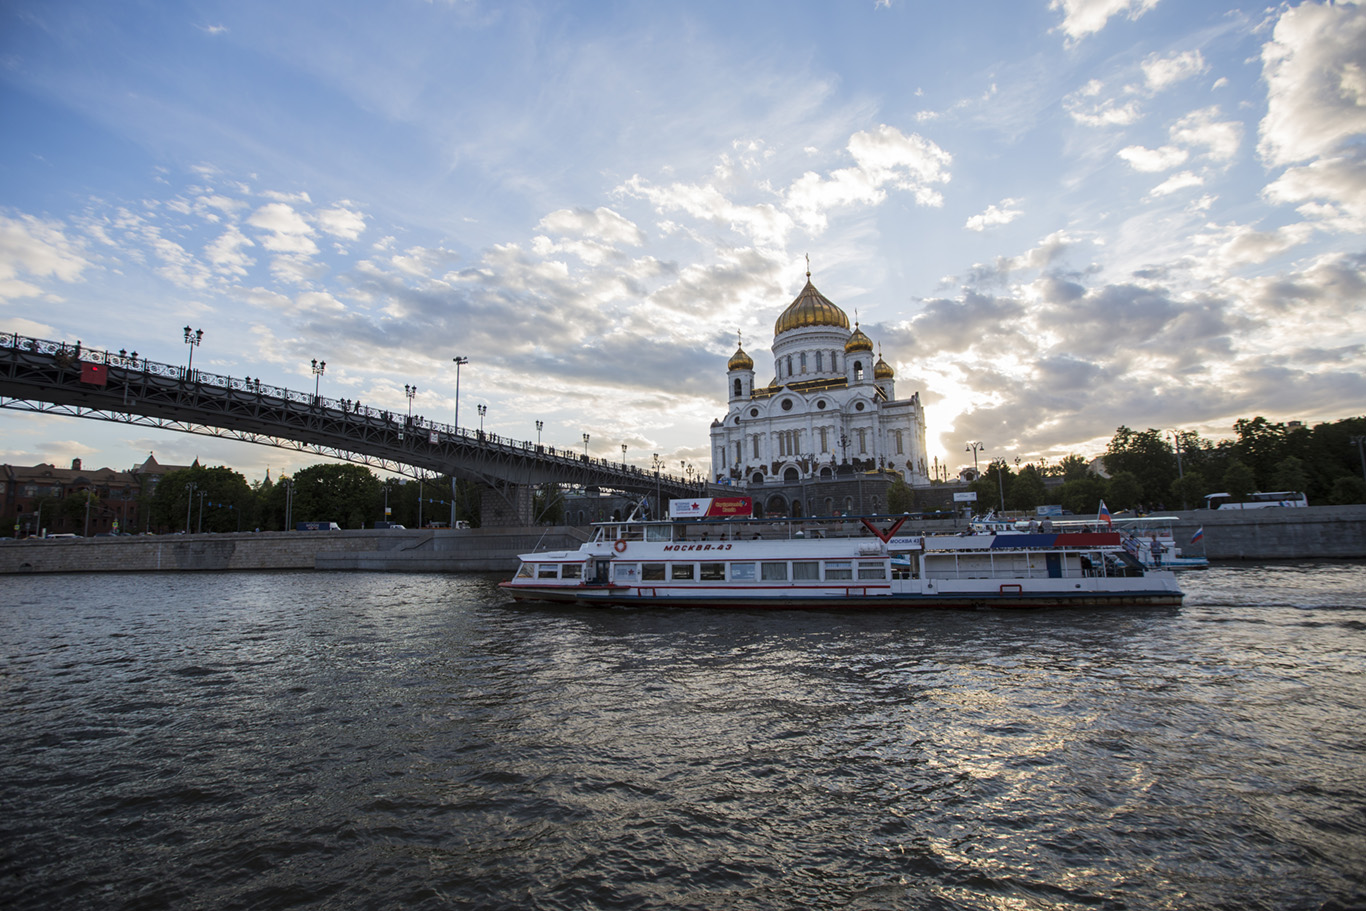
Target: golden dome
(883, 370)
(858, 342)
(811, 308)
(740, 361)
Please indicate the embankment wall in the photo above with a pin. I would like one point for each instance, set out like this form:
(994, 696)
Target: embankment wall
(1319, 532)
(455, 550)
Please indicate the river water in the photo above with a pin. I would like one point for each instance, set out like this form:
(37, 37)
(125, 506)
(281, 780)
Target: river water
(328, 741)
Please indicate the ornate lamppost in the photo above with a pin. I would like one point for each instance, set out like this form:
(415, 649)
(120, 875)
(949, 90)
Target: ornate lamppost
(192, 338)
(974, 448)
(483, 410)
(585, 446)
(318, 368)
(410, 391)
(540, 425)
(459, 362)
(623, 456)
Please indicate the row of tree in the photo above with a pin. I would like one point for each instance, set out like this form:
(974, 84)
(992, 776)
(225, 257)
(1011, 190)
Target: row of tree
(220, 500)
(1159, 470)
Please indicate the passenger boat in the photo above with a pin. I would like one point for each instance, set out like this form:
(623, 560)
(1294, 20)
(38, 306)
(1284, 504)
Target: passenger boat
(1149, 539)
(849, 562)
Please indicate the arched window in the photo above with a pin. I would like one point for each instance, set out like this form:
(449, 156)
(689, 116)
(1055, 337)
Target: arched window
(791, 476)
(737, 389)
(819, 368)
(858, 371)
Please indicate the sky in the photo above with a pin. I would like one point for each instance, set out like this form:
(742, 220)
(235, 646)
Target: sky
(1054, 217)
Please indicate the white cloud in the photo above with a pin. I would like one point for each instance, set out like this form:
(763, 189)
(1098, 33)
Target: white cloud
(1106, 112)
(1162, 72)
(1177, 182)
(1220, 138)
(1315, 71)
(1086, 17)
(599, 224)
(1335, 186)
(39, 249)
(1002, 214)
(226, 252)
(289, 231)
(341, 221)
(1152, 160)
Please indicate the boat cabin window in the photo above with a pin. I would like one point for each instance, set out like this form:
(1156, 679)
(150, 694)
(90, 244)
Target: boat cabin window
(571, 571)
(742, 572)
(658, 532)
(868, 570)
(526, 571)
(682, 571)
(806, 570)
(775, 572)
(838, 569)
(626, 572)
(652, 572)
(547, 571)
(713, 572)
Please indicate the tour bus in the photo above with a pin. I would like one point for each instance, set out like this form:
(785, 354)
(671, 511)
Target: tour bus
(1257, 500)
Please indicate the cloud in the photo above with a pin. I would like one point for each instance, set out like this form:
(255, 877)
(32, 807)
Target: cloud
(37, 248)
(1163, 72)
(226, 252)
(1219, 138)
(1315, 71)
(1176, 183)
(1087, 109)
(1152, 160)
(1086, 17)
(289, 232)
(341, 221)
(1002, 214)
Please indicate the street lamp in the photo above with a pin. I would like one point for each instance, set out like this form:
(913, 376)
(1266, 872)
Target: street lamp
(623, 455)
(410, 391)
(483, 410)
(192, 338)
(459, 362)
(658, 503)
(318, 368)
(974, 448)
(189, 503)
(585, 445)
(540, 425)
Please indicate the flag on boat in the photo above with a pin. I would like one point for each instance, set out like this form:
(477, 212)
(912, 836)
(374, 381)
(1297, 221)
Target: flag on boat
(1199, 533)
(1104, 515)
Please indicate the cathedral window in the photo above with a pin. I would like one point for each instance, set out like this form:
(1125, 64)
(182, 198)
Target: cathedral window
(858, 371)
(789, 365)
(756, 445)
(862, 440)
(819, 368)
(737, 389)
(825, 439)
(803, 361)
(739, 456)
(900, 450)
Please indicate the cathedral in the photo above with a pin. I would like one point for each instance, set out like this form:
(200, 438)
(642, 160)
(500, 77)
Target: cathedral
(829, 415)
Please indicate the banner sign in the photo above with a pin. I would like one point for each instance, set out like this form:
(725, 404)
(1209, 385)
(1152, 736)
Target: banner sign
(966, 497)
(711, 508)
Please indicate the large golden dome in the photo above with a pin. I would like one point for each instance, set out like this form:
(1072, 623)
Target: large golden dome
(811, 308)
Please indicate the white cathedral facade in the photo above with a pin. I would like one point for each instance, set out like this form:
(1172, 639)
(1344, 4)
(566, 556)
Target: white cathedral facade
(829, 412)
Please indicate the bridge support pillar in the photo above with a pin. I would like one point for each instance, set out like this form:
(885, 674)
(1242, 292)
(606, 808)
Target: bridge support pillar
(506, 505)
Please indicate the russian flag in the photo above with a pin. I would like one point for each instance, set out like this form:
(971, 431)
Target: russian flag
(1199, 533)
(1104, 515)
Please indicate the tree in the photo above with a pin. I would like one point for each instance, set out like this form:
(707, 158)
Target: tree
(1347, 490)
(1082, 496)
(1073, 468)
(1147, 456)
(192, 499)
(900, 496)
(1189, 489)
(1289, 474)
(1239, 481)
(1124, 491)
(329, 492)
(548, 505)
(1027, 489)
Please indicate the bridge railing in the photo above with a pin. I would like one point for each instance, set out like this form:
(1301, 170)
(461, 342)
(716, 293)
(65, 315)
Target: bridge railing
(435, 431)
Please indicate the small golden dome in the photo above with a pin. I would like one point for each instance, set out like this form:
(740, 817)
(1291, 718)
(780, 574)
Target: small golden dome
(811, 308)
(740, 361)
(883, 370)
(858, 342)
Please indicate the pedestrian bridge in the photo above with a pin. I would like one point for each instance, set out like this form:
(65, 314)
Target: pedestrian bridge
(61, 378)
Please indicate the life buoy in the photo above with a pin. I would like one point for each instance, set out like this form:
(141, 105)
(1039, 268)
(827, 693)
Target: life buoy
(620, 547)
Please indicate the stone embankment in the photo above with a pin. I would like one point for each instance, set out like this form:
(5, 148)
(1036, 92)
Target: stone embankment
(1319, 532)
(392, 550)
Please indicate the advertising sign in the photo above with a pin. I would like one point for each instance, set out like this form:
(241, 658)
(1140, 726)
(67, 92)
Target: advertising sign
(711, 508)
(966, 497)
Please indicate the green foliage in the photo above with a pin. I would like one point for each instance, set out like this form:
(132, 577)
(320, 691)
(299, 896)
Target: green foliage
(1147, 457)
(1026, 490)
(900, 496)
(1083, 496)
(349, 495)
(197, 498)
(548, 505)
(1074, 468)
(1347, 490)
(1188, 491)
(1123, 492)
(1239, 480)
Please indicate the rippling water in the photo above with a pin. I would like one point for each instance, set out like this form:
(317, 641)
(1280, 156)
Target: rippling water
(319, 741)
